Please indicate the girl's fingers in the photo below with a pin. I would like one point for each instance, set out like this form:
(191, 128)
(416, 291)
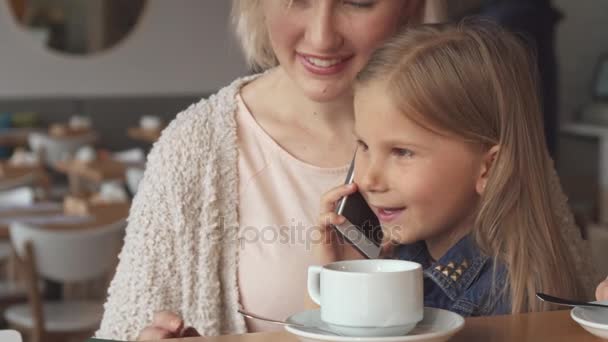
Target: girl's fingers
(329, 199)
(330, 218)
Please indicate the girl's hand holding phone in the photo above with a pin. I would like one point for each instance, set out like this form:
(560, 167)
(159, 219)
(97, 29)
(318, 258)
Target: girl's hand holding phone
(329, 246)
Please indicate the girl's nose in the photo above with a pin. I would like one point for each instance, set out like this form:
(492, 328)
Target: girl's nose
(371, 178)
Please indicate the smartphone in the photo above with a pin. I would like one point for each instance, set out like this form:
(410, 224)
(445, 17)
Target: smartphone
(362, 228)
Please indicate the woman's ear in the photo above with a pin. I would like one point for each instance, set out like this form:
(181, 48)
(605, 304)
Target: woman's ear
(486, 166)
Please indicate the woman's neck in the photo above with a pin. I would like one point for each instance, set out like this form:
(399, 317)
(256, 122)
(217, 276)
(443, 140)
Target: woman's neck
(316, 132)
(295, 107)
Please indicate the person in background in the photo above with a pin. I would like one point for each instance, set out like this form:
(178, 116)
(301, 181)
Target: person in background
(235, 174)
(452, 160)
(535, 21)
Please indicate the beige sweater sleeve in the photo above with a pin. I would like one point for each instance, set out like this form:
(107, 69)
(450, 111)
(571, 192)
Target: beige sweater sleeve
(146, 278)
(180, 251)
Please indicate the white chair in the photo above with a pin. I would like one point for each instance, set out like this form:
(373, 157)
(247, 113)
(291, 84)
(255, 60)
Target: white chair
(9, 290)
(65, 257)
(17, 197)
(53, 150)
(10, 336)
(134, 176)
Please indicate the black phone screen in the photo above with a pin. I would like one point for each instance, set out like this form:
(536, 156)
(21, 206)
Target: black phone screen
(357, 212)
(362, 229)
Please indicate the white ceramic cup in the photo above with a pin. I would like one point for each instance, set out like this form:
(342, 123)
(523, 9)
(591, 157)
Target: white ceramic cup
(367, 298)
(113, 192)
(150, 122)
(86, 154)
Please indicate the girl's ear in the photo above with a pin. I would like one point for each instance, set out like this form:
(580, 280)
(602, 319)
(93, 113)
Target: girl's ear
(486, 166)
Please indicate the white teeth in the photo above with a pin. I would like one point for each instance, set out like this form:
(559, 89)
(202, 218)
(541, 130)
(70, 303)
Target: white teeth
(323, 63)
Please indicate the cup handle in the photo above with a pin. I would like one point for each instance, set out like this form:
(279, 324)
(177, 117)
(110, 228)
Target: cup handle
(314, 283)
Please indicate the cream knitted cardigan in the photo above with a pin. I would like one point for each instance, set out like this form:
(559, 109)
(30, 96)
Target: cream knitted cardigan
(180, 252)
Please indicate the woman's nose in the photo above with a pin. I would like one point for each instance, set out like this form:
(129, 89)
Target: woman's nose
(323, 30)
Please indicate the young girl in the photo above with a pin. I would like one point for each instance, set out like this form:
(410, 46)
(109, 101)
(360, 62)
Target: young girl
(452, 160)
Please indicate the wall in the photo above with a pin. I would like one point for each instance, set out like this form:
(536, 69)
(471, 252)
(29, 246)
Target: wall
(582, 37)
(111, 116)
(179, 47)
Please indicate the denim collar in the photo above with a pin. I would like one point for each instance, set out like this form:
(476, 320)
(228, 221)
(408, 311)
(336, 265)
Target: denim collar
(455, 271)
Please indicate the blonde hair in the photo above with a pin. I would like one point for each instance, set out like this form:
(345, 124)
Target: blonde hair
(477, 82)
(248, 24)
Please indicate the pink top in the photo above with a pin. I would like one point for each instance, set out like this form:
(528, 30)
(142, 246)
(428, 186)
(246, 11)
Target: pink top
(279, 205)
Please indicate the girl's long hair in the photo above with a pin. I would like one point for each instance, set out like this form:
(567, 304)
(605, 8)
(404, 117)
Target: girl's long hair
(479, 83)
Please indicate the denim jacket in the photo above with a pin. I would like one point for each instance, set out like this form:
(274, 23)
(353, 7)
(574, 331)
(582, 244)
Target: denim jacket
(462, 280)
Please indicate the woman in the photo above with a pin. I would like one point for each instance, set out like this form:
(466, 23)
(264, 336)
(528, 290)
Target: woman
(235, 180)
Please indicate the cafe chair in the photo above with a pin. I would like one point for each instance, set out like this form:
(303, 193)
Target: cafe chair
(12, 292)
(17, 197)
(10, 336)
(67, 257)
(53, 150)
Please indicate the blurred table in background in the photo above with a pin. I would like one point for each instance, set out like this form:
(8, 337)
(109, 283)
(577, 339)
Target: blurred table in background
(95, 172)
(16, 137)
(52, 216)
(13, 176)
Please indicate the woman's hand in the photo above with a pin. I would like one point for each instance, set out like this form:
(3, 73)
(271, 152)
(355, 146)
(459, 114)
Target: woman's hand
(166, 325)
(601, 293)
(331, 246)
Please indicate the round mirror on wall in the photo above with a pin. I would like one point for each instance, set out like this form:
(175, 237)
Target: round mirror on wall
(78, 27)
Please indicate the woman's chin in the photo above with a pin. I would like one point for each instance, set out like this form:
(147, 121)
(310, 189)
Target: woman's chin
(326, 89)
(326, 93)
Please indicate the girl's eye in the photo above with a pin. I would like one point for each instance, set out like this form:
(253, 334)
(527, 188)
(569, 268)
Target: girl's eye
(360, 4)
(362, 145)
(403, 152)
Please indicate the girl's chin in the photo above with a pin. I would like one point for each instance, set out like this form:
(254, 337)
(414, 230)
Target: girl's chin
(398, 236)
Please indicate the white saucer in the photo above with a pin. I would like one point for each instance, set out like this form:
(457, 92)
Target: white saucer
(594, 320)
(437, 326)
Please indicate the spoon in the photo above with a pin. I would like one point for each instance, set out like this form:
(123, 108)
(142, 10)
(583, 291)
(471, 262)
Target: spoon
(568, 302)
(274, 321)
(269, 320)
